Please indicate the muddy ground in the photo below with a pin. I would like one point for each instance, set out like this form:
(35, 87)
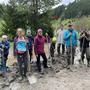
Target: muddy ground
(55, 78)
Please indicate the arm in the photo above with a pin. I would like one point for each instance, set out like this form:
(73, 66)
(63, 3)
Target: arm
(35, 46)
(0, 45)
(7, 46)
(76, 37)
(66, 35)
(87, 38)
(14, 47)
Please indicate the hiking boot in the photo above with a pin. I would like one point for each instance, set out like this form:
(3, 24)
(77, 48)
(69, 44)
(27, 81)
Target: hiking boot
(20, 78)
(88, 65)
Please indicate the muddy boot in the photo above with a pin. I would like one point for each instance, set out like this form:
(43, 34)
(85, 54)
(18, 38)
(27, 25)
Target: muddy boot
(88, 63)
(20, 78)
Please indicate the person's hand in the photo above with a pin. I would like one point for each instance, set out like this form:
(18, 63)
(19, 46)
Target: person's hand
(3, 46)
(36, 55)
(70, 34)
(75, 47)
(83, 35)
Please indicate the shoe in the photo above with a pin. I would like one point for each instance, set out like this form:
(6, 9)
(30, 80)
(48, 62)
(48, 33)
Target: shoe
(20, 78)
(88, 65)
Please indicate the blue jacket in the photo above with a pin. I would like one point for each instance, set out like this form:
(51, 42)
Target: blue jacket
(6, 45)
(68, 37)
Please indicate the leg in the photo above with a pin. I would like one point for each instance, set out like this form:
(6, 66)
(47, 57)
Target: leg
(68, 56)
(88, 56)
(38, 63)
(58, 49)
(44, 60)
(82, 54)
(73, 55)
(5, 58)
(30, 54)
(63, 48)
(25, 59)
(20, 62)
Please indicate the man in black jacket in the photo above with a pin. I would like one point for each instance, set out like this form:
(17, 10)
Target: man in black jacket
(84, 46)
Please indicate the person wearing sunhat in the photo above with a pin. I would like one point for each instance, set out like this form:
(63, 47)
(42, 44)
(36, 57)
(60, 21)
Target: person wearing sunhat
(4, 48)
(70, 37)
(39, 42)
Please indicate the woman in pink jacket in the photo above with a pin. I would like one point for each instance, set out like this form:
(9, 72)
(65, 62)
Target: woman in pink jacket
(39, 42)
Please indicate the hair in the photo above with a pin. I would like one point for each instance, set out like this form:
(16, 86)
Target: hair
(20, 29)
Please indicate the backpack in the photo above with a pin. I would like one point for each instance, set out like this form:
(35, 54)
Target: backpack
(21, 46)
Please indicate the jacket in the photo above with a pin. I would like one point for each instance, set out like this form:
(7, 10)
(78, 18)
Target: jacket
(60, 39)
(84, 42)
(5, 46)
(70, 39)
(30, 42)
(39, 42)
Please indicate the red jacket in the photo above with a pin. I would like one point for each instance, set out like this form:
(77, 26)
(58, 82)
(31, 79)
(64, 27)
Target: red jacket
(39, 42)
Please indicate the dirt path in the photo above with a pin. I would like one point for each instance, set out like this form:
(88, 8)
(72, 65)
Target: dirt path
(79, 79)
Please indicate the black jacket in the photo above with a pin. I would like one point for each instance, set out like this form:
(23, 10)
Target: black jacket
(84, 41)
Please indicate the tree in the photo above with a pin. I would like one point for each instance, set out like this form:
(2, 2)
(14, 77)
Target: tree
(26, 13)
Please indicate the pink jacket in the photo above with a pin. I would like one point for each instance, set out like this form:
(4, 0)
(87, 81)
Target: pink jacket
(39, 42)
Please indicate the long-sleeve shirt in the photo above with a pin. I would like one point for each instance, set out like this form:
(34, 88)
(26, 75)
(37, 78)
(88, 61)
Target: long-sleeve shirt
(39, 42)
(5, 45)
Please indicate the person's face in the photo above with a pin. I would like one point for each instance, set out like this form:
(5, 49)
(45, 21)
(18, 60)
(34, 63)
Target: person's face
(23, 33)
(19, 33)
(71, 28)
(40, 33)
(4, 39)
(46, 34)
(29, 33)
(61, 27)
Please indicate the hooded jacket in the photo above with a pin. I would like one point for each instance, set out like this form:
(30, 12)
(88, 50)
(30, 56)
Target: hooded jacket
(68, 38)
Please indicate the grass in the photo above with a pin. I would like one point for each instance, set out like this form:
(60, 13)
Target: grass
(11, 45)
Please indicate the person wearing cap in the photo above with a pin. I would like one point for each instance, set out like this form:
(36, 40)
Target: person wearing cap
(70, 37)
(60, 40)
(30, 43)
(39, 42)
(4, 47)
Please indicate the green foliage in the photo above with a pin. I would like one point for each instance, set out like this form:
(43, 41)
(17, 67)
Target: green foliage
(76, 9)
(25, 14)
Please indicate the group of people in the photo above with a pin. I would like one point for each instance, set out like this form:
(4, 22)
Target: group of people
(24, 44)
(70, 39)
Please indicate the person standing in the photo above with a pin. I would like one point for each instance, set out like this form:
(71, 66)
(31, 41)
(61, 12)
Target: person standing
(20, 51)
(4, 51)
(48, 42)
(70, 37)
(84, 46)
(30, 43)
(60, 40)
(39, 42)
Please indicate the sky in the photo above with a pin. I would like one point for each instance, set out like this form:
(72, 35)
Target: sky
(63, 1)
